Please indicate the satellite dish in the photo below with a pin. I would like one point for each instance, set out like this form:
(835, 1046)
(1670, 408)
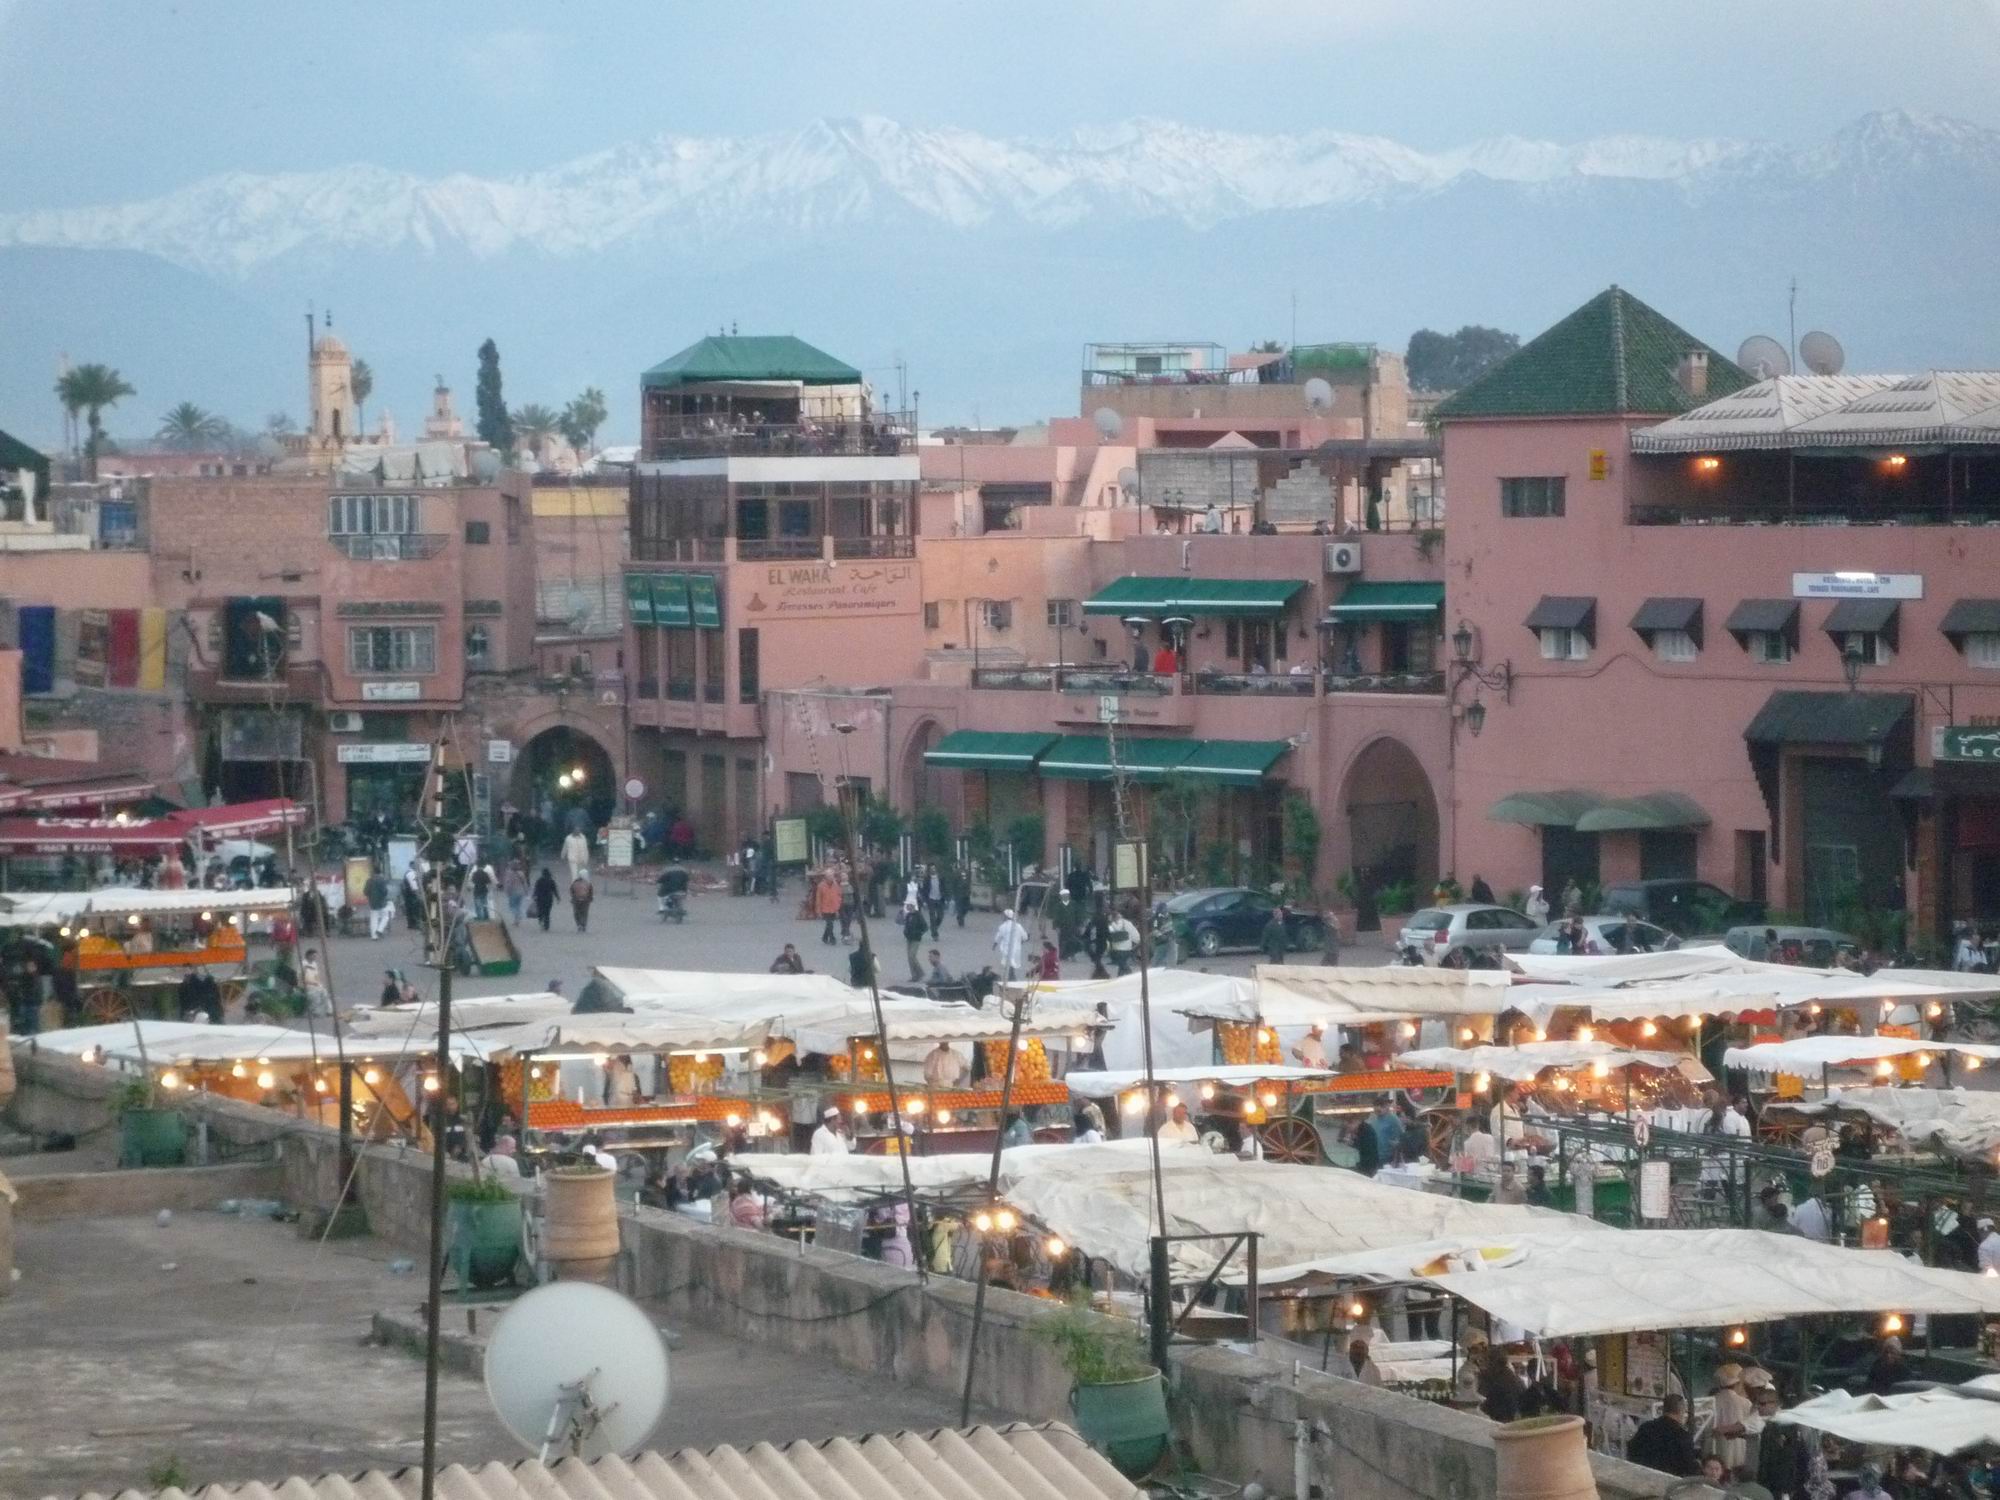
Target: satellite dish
(1821, 353)
(574, 1369)
(1109, 423)
(1319, 395)
(1764, 357)
(1128, 480)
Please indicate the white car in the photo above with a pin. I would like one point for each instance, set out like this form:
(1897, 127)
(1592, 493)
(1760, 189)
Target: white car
(1465, 927)
(1602, 934)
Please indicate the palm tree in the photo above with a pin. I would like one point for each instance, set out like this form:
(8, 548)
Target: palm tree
(534, 425)
(89, 389)
(581, 419)
(187, 427)
(361, 383)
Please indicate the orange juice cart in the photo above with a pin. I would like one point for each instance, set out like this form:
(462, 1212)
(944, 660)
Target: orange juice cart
(129, 949)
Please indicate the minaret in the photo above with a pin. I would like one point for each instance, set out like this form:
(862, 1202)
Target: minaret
(330, 394)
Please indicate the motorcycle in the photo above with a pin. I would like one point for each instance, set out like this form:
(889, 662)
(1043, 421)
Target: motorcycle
(673, 907)
(1409, 955)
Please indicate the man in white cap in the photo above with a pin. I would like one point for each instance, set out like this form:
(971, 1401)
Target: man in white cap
(1010, 941)
(1733, 1412)
(1311, 1049)
(1537, 906)
(1989, 1248)
(829, 1140)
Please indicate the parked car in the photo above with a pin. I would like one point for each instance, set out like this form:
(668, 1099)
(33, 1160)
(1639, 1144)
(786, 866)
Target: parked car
(1468, 927)
(1209, 920)
(1683, 907)
(1817, 947)
(1609, 932)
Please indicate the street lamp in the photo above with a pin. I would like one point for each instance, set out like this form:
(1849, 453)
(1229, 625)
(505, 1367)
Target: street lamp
(1462, 642)
(1850, 662)
(1475, 716)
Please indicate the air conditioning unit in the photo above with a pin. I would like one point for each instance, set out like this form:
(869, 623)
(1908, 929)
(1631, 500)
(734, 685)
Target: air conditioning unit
(1343, 557)
(343, 723)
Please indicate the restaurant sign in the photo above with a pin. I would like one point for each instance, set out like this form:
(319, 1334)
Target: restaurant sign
(1965, 742)
(409, 752)
(391, 692)
(830, 590)
(1857, 585)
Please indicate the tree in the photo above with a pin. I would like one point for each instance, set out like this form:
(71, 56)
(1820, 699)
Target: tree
(361, 382)
(1269, 346)
(1452, 361)
(187, 427)
(1300, 822)
(495, 429)
(89, 389)
(280, 425)
(581, 419)
(534, 425)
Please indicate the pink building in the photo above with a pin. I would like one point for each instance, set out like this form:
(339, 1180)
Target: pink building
(1726, 629)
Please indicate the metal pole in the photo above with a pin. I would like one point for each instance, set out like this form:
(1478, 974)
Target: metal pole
(441, 957)
(1250, 1285)
(1159, 1304)
(992, 1191)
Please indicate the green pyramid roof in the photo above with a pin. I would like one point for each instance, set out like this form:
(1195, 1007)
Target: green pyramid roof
(733, 357)
(1613, 356)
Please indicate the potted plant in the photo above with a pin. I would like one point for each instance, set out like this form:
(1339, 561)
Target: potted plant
(484, 1232)
(148, 1136)
(1394, 902)
(1118, 1398)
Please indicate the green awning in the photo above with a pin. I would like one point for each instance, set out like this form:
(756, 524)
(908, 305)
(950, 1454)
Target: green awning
(1159, 598)
(1237, 762)
(1544, 809)
(1087, 757)
(1795, 717)
(987, 750)
(639, 597)
(670, 600)
(1414, 603)
(1656, 812)
(703, 600)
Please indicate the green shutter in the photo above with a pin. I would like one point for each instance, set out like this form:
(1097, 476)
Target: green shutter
(704, 600)
(639, 597)
(670, 600)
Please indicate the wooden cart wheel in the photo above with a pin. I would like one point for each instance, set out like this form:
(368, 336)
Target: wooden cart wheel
(1291, 1140)
(232, 992)
(1439, 1128)
(104, 1004)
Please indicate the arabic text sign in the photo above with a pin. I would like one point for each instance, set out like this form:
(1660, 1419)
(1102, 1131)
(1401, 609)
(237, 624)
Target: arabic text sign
(1965, 742)
(821, 590)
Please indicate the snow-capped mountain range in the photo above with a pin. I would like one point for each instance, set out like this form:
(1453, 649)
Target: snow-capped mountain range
(839, 173)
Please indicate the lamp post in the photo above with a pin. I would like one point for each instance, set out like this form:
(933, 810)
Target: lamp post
(1851, 656)
(1466, 665)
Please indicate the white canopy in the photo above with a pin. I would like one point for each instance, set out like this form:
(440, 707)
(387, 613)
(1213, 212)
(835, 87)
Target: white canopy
(1530, 1058)
(473, 1014)
(129, 900)
(1963, 1123)
(1174, 994)
(179, 1043)
(1309, 994)
(1610, 969)
(651, 1031)
(955, 1171)
(1808, 1055)
(1938, 1421)
(1088, 1085)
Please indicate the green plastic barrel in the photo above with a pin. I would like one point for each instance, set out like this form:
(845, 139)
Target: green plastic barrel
(1125, 1421)
(485, 1240)
(152, 1138)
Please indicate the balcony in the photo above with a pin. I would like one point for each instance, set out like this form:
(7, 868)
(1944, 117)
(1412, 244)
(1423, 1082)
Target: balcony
(1102, 682)
(1069, 679)
(877, 435)
(407, 546)
(1255, 684)
(297, 682)
(1412, 683)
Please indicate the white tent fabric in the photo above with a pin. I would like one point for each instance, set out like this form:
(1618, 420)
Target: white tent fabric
(688, 989)
(1963, 1123)
(1937, 1421)
(856, 1175)
(183, 1042)
(1306, 994)
(1610, 969)
(598, 1032)
(1173, 994)
(472, 1014)
(1808, 1055)
(1088, 1085)
(1530, 1058)
(126, 900)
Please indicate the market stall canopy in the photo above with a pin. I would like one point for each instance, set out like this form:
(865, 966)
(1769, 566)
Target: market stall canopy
(1654, 812)
(123, 901)
(1182, 991)
(1961, 1123)
(183, 1042)
(1102, 1085)
(1313, 994)
(90, 835)
(856, 1175)
(1166, 598)
(47, 784)
(1938, 1421)
(242, 820)
(1808, 1055)
(686, 989)
(988, 750)
(1530, 1059)
(472, 1014)
(596, 1032)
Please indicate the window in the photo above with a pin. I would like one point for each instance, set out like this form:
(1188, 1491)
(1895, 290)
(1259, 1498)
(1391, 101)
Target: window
(478, 646)
(795, 518)
(1982, 648)
(1560, 644)
(931, 615)
(999, 614)
(1768, 646)
(746, 664)
(379, 649)
(1873, 648)
(711, 665)
(478, 533)
(1532, 497)
(374, 515)
(1674, 645)
(1061, 613)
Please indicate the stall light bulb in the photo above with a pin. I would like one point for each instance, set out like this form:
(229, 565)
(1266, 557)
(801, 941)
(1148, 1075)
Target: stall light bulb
(235, 920)
(1893, 1323)
(1269, 1099)
(1972, 1065)
(732, 1121)
(1055, 1248)
(1562, 1085)
(1357, 1309)
(1541, 1033)
(1923, 1059)
(1079, 1042)
(914, 1106)
(1208, 1091)
(1815, 1009)
(1021, 1044)
(760, 1057)
(1408, 1029)
(1888, 1007)
(858, 1108)
(944, 1117)
(867, 1055)
(1132, 1102)
(239, 1071)
(770, 1121)
(1600, 1069)
(430, 1083)
(263, 1062)
(1172, 1100)
(170, 1079)
(1738, 1337)
(1252, 1110)
(1586, 1034)
(320, 1086)
(1648, 1030)
(702, 1057)
(83, 932)
(62, 931)
(267, 1079)
(1694, 1023)
(372, 1076)
(208, 916)
(1005, 1220)
(1884, 1068)
(133, 920)
(1481, 1082)
(535, 1072)
(983, 1222)
(603, 1059)
(1934, 1010)
(1264, 1034)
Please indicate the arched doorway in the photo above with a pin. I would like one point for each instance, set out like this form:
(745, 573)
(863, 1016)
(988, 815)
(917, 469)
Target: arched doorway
(562, 777)
(922, 786)
(1392, 818)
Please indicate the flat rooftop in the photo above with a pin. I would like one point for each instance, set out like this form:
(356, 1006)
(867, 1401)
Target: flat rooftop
(250, 1359)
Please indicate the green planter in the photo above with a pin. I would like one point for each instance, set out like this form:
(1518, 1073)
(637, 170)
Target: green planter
(1126, 1421)
(485, 1242)
(152, 1138)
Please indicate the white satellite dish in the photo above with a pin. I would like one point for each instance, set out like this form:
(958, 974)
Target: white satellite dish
(575, 1370)
(1319, 395)
(1821, 353)
(1764, 357)
(1128, 480)
(1109, 423)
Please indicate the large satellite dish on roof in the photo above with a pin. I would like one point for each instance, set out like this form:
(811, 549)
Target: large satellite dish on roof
(1764, 357)
(1128, 481)
(574, 1369)
(1109, 423)
(1821, 353)
(1319, 396)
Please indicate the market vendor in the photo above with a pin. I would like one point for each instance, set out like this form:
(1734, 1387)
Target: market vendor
(829, 1139)
(1311, 1048)
(943, 1068)
(1178, 1127)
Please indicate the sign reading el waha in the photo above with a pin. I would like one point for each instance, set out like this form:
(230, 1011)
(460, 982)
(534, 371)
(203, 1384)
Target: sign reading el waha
(831, 591)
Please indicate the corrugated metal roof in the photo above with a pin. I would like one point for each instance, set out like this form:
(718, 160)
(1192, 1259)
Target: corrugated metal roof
(1020, 1462)
(1838, 411)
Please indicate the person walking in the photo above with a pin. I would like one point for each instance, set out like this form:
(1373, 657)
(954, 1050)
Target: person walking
(544, 897)
(514, 885)
(934, 893)
(481, 882)
(1122, 939)
(915, 930)
(576, 854)
(826, 905)
(581, 893)
(1010, 941)
(1096, 938)
(413, 895)
(376, 892)
(961, 892)
(1276, 940)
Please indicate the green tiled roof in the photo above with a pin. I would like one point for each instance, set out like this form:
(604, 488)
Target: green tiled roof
(1612, 356)
(733, 357)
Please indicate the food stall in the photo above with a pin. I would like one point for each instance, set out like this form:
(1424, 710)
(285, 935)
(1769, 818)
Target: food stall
(128, 948)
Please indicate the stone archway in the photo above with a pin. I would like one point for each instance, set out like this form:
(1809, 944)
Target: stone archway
(1392, 817)
(917, 784)
(546, 784)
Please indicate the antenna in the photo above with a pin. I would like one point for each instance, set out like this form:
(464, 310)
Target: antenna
(1821, 353)
(575, 1369)
(1792, 319)
(1109, 424)
(1764, 357)
(1319, 396)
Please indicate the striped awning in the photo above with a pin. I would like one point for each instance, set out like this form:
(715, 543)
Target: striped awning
(1415, 602)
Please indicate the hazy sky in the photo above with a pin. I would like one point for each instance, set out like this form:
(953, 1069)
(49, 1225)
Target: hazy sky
(109, 99)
